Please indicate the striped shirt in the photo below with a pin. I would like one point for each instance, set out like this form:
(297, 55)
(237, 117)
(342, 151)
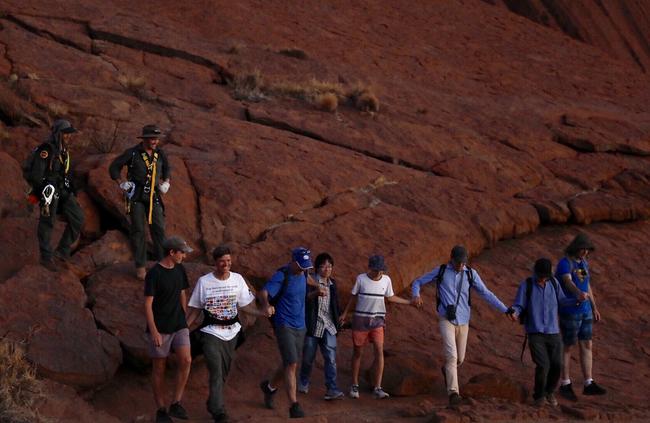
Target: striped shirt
(370, 295)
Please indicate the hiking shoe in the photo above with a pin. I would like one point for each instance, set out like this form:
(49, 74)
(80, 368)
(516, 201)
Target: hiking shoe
(140, 273)
(220, 418)
(455, 399)
(594, 389)
(539, 402)
(162, 416)
(295, 412)
(333, 394)
(379, 393)
(177, 410)
(550, 398)
(566, 391)
(268, 394)
(354, 391)
(303, 389)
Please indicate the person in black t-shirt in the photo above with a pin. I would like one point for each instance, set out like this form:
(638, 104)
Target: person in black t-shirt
(165, 306)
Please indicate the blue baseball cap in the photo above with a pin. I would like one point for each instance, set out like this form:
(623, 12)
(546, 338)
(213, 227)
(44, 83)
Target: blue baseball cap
(376, 263)
(302, 256)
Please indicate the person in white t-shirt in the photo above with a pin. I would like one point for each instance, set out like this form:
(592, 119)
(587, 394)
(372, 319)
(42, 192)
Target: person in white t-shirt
(220, 295)
(368, 323)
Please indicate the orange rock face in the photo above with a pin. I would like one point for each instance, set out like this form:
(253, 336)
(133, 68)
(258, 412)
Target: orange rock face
(453, 122)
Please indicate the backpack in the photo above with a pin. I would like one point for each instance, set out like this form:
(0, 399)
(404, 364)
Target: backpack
(28, 164)
(438, 279)
(276, 298)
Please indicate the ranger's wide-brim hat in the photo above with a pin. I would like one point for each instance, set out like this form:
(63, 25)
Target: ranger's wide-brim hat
(150, 131)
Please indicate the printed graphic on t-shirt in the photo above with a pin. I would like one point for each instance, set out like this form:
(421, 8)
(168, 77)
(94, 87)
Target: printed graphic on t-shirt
(581, 274)
(221, 302)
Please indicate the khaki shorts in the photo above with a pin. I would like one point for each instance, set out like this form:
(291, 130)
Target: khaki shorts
(178, 339)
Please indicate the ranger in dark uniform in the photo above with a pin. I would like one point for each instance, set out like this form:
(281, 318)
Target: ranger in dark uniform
(48, 172)
(147, 178)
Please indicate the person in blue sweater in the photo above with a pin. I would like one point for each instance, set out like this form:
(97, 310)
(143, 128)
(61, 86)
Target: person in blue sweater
(537, 306)
(454, 280)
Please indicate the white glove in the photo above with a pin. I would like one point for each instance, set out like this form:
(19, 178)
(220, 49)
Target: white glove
(164, 187)
(127, 186)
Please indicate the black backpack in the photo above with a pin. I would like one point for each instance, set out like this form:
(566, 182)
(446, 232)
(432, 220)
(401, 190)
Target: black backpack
(438, 279)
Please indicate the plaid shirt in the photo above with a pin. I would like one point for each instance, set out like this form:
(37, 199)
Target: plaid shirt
(324, 320)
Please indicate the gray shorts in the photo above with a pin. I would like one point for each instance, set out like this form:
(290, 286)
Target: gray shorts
(180, 338)
(290, 342)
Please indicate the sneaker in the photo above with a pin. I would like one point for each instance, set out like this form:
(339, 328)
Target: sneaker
(177, 410)
(354, 391)
(566, 391)
(303, 389)
(268, 394)
(594, 389)
(455, 399)
(333, 394)
(162, 416)
(550, 398)
(220, 418)
(295, 412)
(379, 393)
(539, 402)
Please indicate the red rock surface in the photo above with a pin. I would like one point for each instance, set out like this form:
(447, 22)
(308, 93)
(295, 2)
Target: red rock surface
(490, 127)
(47, 311)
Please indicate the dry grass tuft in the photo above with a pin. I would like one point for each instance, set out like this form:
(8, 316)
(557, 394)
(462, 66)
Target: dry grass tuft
(296, 53)
(19, 388)
(4, 134)
(33, 76)
(248, 86)
(362, 97)
(325, 95)
(57, 110)
(236, 48)
(132, 83)
(328, 102)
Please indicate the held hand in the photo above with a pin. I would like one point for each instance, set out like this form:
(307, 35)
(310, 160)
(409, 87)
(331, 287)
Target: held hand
(512, 317)
(417, 301)
(156, 337)
(164, 187)
(270, 311)
(342, 318)
(583, 296)
(322, 291)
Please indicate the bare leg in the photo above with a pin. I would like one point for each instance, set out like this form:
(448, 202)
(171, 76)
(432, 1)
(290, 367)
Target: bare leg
(290, 381)
(184, 363)
(586, 358)
(356, 364)
(378, 364)
(157, 380)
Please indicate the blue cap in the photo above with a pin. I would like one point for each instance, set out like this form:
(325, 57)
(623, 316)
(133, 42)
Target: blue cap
(302, 256)
(376, 263)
